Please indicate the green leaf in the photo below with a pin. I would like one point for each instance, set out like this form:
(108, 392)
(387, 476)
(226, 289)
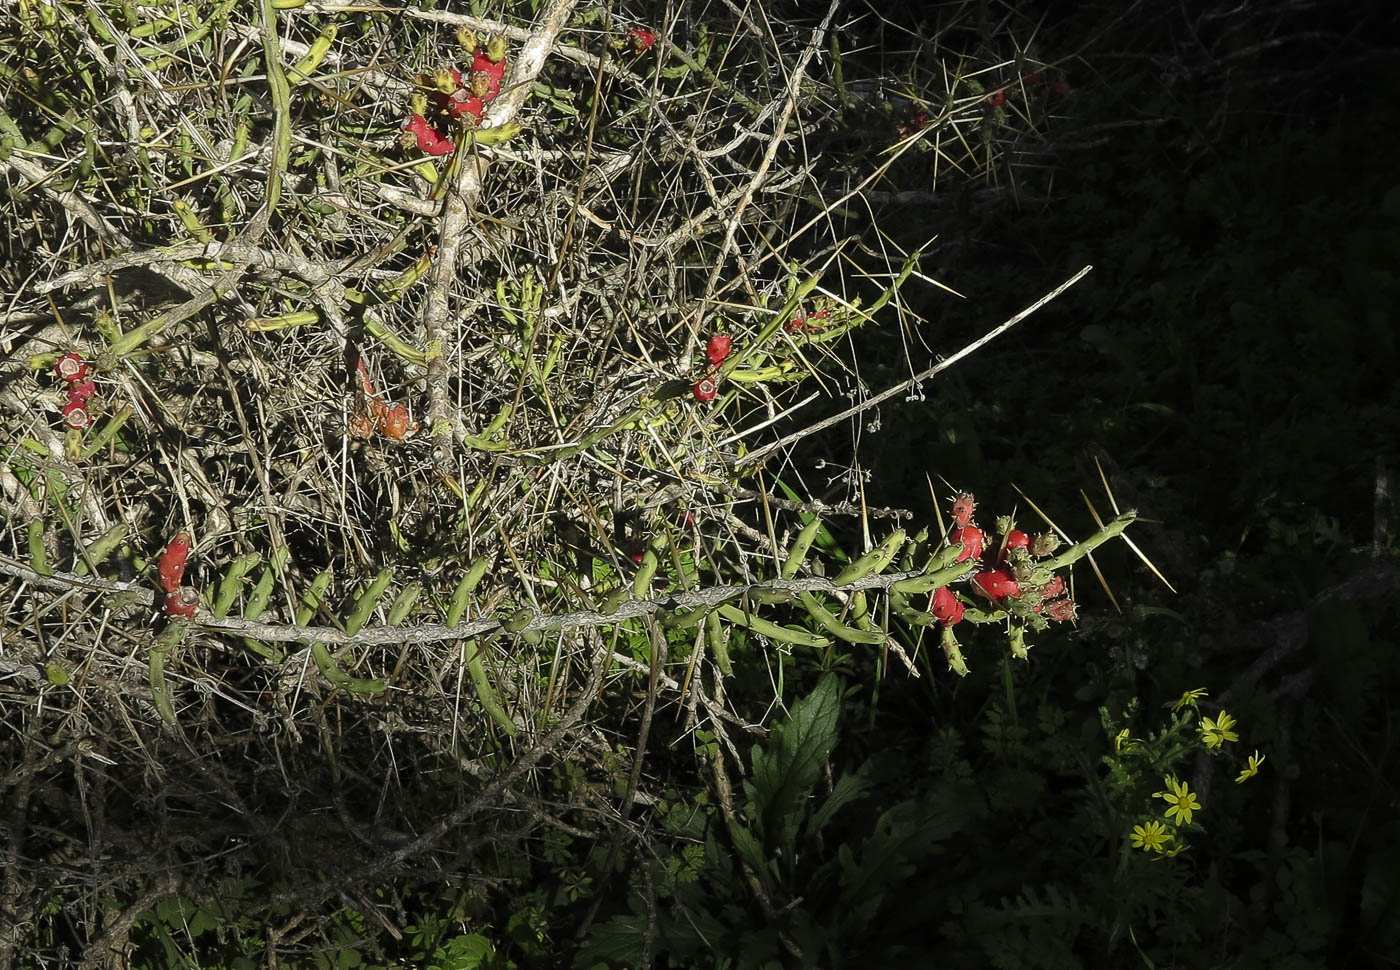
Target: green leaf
(851, 787)
(784, 775)
(463, 953)
(749, 850)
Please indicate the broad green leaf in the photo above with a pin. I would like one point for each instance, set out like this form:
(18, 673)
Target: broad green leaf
(784, 774)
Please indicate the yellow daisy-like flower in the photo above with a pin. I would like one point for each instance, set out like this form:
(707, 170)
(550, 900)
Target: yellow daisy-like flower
(1181, 801)
(1255, 760)
(1189, 698)
(1216, 732)
(1177, 848)
(1151, 837)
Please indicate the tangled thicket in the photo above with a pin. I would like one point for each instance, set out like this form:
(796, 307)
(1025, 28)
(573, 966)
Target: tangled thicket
(221, 216)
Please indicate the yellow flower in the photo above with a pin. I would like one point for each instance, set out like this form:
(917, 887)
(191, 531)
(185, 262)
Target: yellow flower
(1150, 837)
(1216, 732)
(1189, 698)
(1177, 848)
(1121, 741)
(1180, 799)
(1255, 760)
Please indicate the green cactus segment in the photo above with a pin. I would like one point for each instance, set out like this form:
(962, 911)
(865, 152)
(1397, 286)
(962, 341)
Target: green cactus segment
(100, 548)
(38, 552)
(367, 601)
(1017, 639)
(828, 622)
(873, 561)
(404, 603)
(941, 571)
(311, 599)
(860, 608)
(683, 619)
(716, 636)
(485, 693)
(909, 614)
(646, 571)
(258, 600)
(465, 586)
(518, 620)
(772, 631)
(96, 442)
(614, 600)
(161, 694)
(232, 583)
(1079, 550)
(953, 652)
(336, 677)
(303, 69)
(801, 546)
(913, 550)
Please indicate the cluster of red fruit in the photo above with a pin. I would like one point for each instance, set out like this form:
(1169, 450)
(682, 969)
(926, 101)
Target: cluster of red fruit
(1009, 575)
(640, 39)
(371, 414)
(716, 351)
(454, 99)
(179, 600)
(73, 371)
(805, 324)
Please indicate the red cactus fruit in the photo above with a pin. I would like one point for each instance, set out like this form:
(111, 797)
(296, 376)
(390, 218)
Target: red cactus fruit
(76, 416)
(971, 539)
(963, 507)
(947, 607)
(172, 562)
(493, 71)
(705, 389)
(466, 103)
(996, 99)
(182, 602)
(1056, 587)
(1015, 539)
(70, 367)
(640, 39)
(81, 391)
(427, 138)
(801, 324)
(395, 423)
(996, 584)
(717, 348)
(1061, 610)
